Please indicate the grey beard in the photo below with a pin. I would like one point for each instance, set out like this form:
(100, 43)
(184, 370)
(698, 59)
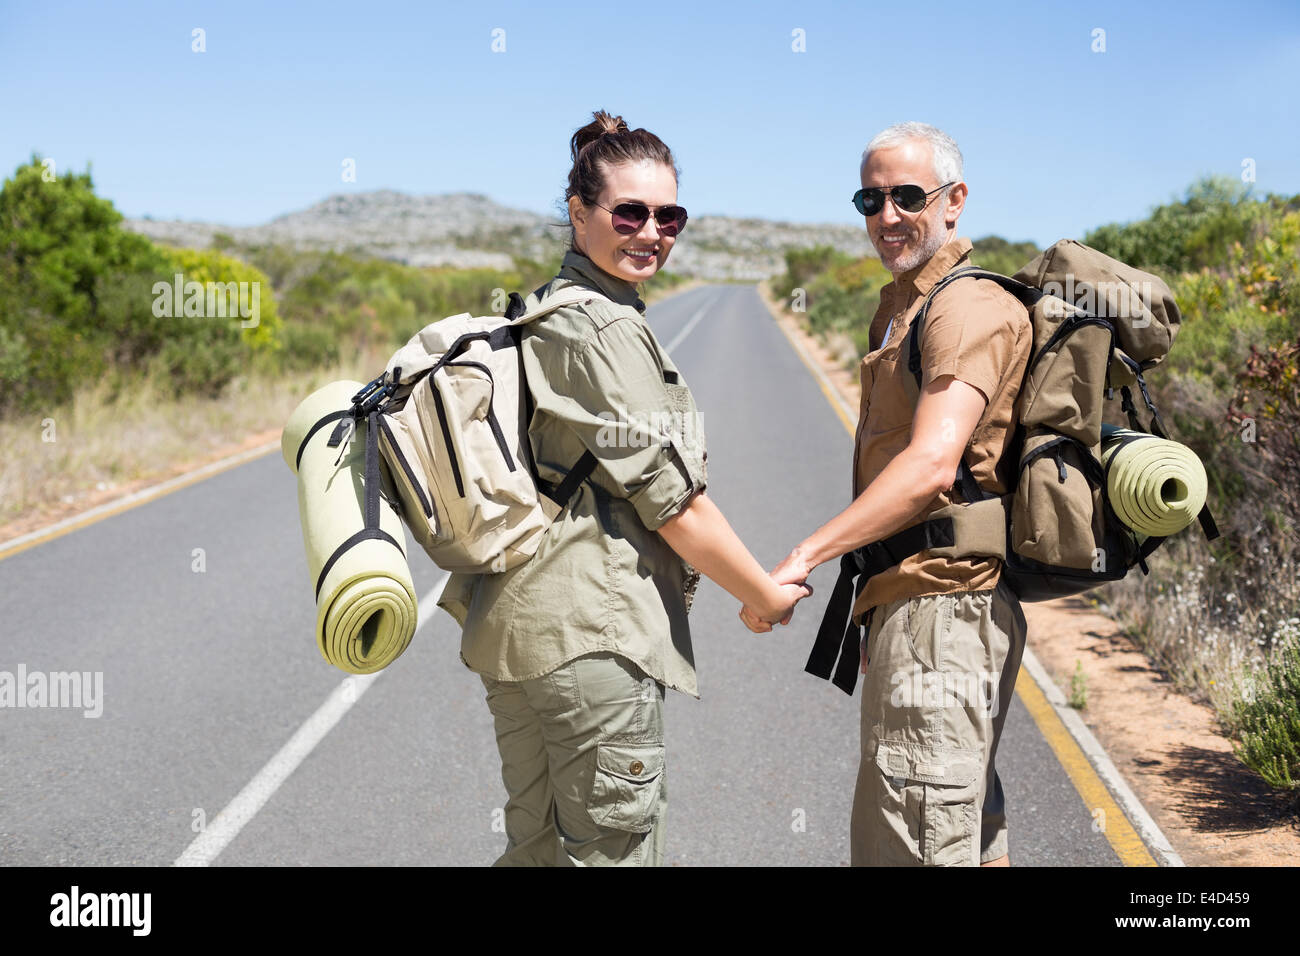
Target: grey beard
(918, 256)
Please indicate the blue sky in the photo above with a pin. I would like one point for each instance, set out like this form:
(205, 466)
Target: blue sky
(1057, 138)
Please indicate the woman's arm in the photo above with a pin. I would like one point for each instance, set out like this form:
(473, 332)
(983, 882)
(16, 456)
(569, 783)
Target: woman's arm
(701, 536)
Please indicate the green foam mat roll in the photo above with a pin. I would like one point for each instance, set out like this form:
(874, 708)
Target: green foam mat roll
(365, 604)
(1156, 486)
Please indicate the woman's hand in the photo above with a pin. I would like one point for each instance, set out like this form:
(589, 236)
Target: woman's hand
(793, 570)
(785, 597)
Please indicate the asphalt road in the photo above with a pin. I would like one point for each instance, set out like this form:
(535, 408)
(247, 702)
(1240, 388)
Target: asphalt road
(207, 673)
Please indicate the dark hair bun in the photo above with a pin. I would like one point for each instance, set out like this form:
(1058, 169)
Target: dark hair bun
(602, 124)
(607, 142)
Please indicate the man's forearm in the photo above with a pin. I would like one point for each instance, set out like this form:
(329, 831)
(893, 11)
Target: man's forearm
(891, 502)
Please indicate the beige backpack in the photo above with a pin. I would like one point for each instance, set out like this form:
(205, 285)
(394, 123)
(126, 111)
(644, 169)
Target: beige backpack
(450, 415)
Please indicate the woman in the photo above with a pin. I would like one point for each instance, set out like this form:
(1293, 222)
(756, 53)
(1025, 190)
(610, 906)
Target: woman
(577, 645)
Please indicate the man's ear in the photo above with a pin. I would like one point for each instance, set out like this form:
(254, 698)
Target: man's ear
(955, 204)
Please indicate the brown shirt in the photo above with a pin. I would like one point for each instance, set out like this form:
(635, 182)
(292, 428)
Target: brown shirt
(982, 335)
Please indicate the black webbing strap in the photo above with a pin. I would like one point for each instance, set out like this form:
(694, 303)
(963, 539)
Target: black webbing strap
(837, 640)
(302, 446)
(838, 637)
(1145, 550)
(371, 530)
(1208, 526)
(970, 488)
(562, 492)
(581, 469)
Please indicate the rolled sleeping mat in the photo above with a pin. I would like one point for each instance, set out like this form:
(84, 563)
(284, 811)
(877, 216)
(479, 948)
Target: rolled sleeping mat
(365, 598)
(1156, 486)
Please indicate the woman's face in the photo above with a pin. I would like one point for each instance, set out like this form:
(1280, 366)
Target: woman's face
(634, 257)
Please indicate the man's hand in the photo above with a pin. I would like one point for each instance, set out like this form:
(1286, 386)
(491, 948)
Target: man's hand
(793, 569)
(760, 624)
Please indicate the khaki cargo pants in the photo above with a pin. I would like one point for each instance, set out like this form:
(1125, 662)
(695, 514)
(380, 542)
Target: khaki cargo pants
(582, 759)
(940, 676)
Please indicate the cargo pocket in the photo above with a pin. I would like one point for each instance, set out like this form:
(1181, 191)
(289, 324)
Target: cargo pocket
(625, 791)
(929, 813)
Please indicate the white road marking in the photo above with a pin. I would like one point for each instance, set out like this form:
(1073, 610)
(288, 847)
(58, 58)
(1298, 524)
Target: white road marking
(690, 324)
(221, 831)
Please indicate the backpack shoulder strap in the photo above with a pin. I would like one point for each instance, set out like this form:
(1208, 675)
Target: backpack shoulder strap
(570, 295)
(518, 315)
(1027, 295)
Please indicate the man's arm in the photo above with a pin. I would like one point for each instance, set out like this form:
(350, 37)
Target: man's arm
(946, 416)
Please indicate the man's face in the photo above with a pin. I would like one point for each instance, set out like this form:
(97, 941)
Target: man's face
(906, 240)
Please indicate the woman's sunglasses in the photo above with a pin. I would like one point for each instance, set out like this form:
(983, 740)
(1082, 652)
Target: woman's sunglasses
(629, 217)
(908, 198)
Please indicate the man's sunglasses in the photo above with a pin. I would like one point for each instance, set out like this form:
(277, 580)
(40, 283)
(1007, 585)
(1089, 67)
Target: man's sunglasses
(909, 198)
(629, 217)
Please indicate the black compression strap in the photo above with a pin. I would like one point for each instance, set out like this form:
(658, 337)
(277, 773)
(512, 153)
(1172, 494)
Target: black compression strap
(302, 446)
(372, 529)
(1208, 526)
(364, 534)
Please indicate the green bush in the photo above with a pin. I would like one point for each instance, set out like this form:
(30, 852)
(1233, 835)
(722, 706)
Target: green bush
(1194, 232)
(999, 255)
(803, 265)
(357, 303)
(1269, 721)
(237, 321)
(73, 286)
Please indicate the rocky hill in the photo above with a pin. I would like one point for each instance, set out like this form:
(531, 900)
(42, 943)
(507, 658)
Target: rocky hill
(467, 229)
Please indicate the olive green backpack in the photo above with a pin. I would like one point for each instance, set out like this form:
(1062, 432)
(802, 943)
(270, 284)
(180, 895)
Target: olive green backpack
(1098, 324)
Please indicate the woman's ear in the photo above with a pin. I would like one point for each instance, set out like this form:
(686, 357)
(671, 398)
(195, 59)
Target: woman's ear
(578, 216)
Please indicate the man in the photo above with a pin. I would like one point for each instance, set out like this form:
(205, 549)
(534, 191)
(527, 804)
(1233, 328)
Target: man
(945, 635)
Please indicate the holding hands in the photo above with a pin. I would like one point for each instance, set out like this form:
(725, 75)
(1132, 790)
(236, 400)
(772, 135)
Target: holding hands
(789, 587)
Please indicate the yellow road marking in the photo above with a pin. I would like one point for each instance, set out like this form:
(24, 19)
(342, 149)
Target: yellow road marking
(1123, 839)
(134, 500)
(1117, 829)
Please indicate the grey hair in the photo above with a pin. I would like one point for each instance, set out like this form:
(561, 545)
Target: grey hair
(947, 157)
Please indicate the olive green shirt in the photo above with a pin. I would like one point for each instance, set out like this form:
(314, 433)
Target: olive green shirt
(603, 579)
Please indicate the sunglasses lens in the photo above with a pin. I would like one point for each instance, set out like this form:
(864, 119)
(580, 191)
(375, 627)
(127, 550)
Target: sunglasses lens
(671, 219)
(909, 198)
(869, 201)
(628, 217)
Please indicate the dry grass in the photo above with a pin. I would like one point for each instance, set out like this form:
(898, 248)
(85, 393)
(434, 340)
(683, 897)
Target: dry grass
(1210, 634)
(101, 442)
(104, 443)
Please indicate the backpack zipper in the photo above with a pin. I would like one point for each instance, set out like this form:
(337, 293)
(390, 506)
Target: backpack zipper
(446, 437)
(406, 467)
(492, 420)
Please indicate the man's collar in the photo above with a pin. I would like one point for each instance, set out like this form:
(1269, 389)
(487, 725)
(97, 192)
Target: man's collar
(924, 276)
(578, 268)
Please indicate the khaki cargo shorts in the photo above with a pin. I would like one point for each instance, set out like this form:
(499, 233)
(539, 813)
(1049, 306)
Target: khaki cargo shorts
(582, 760)
(940, 674)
